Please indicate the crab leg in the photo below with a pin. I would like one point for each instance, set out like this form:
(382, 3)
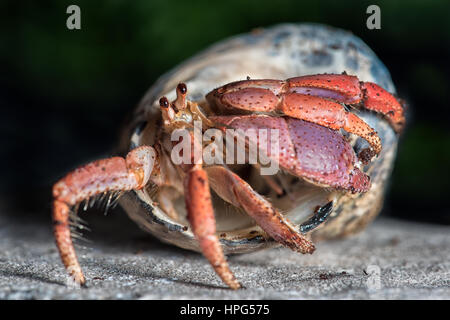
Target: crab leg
(98, 177)
(379, 100)
(348, 89)
(200, 214)
(230, 187)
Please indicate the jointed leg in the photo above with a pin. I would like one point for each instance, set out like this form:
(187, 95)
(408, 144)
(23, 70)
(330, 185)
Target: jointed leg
(113, 174)
(200, 212)
(201, 218)
(348, 89)
(311, 104)
(233, 189)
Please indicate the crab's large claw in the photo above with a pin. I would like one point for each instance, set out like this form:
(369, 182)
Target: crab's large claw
(98, 177)
(332, 115)
(306, 150)
(311, 104)
(316, 99)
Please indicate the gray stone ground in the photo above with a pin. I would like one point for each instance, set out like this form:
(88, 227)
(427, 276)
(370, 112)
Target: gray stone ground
(122, 262)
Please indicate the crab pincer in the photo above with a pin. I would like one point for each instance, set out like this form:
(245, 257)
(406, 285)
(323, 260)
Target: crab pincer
(319, 99)
(306, 150)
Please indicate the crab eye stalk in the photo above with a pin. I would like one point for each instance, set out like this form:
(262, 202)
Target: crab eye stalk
(164, 103)
(166, 109)
(182, 88)
(180, 101)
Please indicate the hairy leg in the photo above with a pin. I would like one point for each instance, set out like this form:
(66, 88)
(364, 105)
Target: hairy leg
(95, 178)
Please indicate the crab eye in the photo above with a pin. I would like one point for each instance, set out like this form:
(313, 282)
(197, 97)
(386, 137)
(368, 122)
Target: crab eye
(163, 102)
(182, 87)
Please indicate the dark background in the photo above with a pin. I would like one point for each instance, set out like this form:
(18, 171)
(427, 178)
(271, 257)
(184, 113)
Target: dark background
(64, 94)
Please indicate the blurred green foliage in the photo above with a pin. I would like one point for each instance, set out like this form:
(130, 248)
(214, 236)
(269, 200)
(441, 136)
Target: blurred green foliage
(124, 46)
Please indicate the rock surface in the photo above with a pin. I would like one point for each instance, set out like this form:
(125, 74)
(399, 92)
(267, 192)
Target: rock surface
(390, 260)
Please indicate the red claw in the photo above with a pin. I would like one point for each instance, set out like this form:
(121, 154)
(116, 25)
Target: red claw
(317, 99)
(306, 150)
(349, 90)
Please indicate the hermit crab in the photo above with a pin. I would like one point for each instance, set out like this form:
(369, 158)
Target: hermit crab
(321, 90)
